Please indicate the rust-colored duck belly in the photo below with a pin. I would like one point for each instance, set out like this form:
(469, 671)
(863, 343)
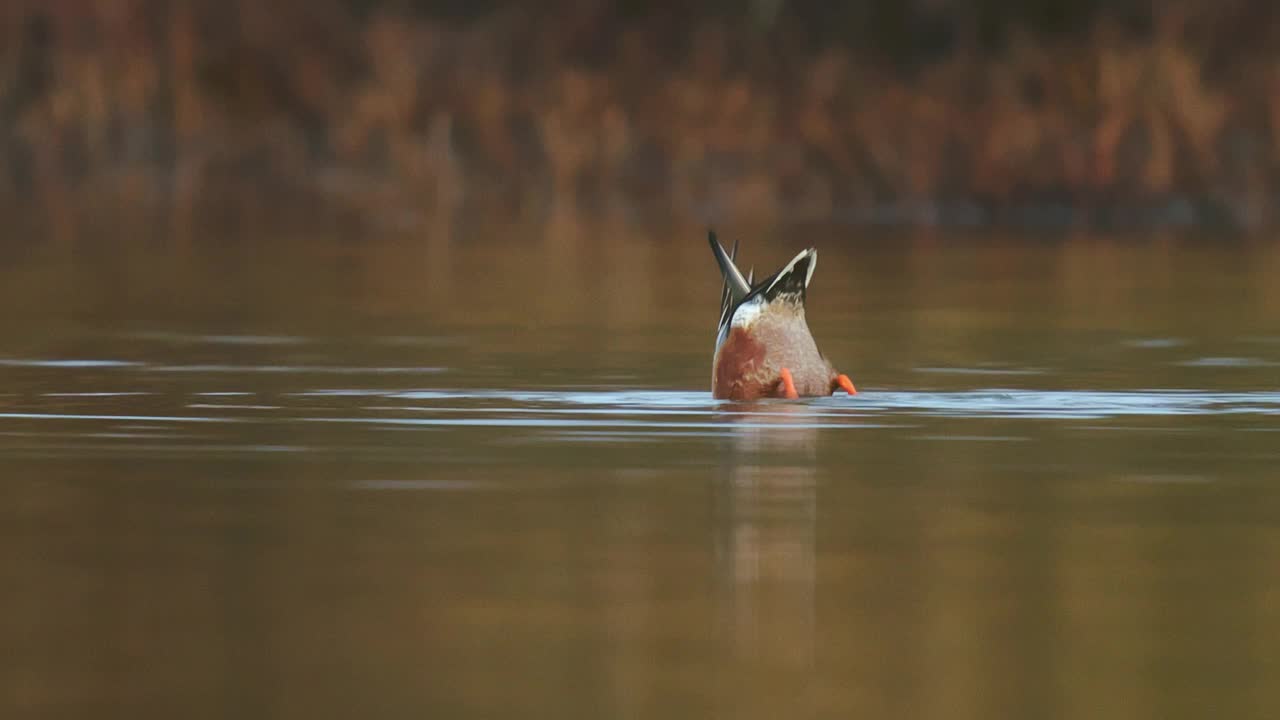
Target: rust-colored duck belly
(746, 368)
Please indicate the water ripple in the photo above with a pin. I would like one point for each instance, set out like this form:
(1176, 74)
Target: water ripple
(578, 412)
(66, 363)
(294, 369)
(1060, 404)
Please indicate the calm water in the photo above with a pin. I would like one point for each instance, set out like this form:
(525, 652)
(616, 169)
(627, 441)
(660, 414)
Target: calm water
(291, 476)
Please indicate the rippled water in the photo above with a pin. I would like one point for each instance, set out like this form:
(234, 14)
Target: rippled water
(299, 478)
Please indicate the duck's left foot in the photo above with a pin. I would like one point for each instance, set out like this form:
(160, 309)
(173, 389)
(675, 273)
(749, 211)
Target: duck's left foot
(846, 384)
(788, 385)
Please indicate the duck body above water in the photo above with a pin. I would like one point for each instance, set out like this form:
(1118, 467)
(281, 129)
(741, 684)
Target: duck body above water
(763, 345)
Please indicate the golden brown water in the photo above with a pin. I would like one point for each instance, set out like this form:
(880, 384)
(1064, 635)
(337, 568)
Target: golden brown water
(274, 476)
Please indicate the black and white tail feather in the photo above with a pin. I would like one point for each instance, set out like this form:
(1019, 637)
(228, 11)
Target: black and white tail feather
(786, 285)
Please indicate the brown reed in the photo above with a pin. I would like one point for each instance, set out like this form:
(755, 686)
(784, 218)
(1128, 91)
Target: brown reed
(394, 109)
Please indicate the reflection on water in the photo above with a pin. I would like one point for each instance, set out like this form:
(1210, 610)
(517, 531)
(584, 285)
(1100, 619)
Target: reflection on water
(766, 528)
(357, 495)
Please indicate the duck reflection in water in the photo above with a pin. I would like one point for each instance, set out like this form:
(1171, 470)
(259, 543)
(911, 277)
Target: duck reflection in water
(766, 524)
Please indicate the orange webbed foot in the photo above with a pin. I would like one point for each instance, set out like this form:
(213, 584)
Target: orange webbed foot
(788, 385)
(844, 383)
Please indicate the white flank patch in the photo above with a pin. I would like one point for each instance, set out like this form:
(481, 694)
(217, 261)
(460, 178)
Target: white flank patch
(748, 312)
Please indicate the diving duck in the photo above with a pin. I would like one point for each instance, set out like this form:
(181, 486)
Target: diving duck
(763, 345)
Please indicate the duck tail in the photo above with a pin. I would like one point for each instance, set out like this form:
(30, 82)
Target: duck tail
(734, 284)
(792, 280)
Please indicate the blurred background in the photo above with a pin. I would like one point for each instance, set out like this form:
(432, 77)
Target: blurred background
(355, 359)
(924, 111)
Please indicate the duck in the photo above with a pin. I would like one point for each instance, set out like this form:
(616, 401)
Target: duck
(763, 345)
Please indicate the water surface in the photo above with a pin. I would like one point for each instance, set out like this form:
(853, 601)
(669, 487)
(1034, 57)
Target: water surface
(311, 476)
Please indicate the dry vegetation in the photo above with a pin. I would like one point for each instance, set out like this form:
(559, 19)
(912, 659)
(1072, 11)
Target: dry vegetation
(517, 109)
